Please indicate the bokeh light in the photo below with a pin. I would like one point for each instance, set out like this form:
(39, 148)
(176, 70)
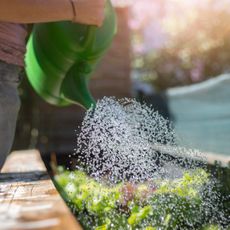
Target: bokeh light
(182, 41)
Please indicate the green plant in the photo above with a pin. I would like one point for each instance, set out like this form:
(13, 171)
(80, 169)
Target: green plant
(171, 204)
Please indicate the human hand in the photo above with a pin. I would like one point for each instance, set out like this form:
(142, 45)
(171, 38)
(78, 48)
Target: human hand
(90, 12)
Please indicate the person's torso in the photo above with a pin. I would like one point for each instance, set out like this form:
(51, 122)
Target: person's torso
(12, 43)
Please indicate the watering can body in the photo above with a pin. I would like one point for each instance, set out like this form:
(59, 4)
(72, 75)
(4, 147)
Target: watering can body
(61, 56)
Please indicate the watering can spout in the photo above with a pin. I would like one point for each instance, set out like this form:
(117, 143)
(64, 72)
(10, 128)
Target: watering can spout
(75, 88)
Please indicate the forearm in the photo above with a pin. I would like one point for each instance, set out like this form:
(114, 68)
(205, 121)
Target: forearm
(33, 11)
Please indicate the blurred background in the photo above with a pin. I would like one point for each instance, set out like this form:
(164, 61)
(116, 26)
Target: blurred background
(172, 54)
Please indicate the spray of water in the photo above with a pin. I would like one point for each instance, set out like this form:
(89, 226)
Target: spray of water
(125, 142)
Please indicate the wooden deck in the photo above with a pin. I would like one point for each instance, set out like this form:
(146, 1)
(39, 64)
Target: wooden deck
(28, 198)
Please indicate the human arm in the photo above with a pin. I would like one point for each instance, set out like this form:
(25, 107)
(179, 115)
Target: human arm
(36, 11)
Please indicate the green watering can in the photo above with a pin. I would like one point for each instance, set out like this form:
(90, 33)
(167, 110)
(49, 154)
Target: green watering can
(61, 56)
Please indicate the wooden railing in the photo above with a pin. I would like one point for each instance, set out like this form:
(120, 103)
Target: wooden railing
(28, 198)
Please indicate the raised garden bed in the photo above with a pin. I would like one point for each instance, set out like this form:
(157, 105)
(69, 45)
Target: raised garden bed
(29, 200)
(124, 206)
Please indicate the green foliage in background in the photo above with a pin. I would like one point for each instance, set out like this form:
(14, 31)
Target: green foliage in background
(191, 43)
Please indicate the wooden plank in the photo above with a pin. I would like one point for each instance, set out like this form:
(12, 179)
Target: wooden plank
(28, 198)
